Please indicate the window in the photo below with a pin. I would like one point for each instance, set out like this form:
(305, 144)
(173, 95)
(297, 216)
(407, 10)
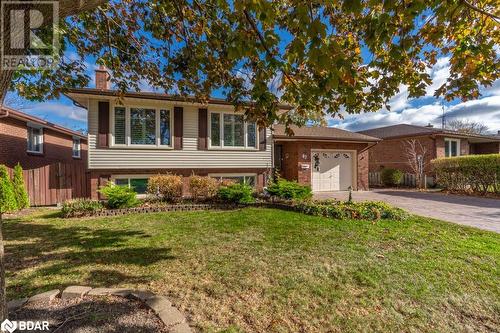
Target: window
(230, 130)
(120, 126)
(35, 140)
(139, 184)
(249, 179)
(76, 148)
(451, 147)
(142, 127)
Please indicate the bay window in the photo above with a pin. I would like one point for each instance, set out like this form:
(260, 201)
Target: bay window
(142, 127)
(228, 130)
(451, 147)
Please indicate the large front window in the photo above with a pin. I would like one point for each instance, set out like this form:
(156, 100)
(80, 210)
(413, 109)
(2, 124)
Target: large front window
(142, 127)
(451, 147)
(228, 130)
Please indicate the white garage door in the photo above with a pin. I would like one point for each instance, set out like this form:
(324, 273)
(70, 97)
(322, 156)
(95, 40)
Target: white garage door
(331, 170)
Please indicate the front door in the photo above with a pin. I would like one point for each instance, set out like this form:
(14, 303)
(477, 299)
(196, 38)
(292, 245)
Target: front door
(331, 170)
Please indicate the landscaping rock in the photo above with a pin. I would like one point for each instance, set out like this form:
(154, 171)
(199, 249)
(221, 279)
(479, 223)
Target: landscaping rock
(158, 303)
(142, 295)
(171, 316)
(100, 291)
(45, 297)
(181, 328)
(16, 304)
(75, 292)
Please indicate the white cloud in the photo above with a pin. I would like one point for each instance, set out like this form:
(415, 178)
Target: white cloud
(48, 109)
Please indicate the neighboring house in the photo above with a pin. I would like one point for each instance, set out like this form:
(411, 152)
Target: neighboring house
(391, 152)
(34, 142)
(135, 135)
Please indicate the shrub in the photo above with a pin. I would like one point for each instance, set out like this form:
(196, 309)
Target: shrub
(236, 193)
(369, 210)
(290, 190)
(476, 173)
(202, 188)
(167, 187)
(391, 177)
(20, 193)
(119, 196)
(80, 207)
(7, 197)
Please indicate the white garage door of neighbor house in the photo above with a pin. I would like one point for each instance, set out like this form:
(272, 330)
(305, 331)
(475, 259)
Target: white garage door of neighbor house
(331, 170)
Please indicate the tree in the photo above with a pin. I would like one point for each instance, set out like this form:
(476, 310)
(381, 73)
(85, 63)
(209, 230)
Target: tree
(467, 126)
(20, 193)
(7, 204)
(326, 57)
(417, 157)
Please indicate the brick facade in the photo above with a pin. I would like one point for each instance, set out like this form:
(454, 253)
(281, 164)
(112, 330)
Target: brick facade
(485, 148)
(296, 154)
(100, 178)
(57, 146)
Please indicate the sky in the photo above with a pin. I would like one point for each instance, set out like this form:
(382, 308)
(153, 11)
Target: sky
(420, 111)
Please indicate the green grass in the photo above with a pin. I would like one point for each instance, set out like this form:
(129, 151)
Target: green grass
(263, 270)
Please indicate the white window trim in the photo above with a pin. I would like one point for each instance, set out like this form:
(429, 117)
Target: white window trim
(79, 148)
(224, 175)
(28, 127)
(447, 141)
(221, 131)
(128, 139)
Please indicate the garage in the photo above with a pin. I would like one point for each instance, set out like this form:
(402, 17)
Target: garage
(332, 170)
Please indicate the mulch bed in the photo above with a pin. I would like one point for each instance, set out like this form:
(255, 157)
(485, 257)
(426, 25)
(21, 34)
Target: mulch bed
(95, 314)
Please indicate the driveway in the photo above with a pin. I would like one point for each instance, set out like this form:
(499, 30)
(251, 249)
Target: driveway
(482, 213)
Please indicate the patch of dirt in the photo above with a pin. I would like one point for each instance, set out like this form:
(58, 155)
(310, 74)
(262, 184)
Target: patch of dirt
(92, 315)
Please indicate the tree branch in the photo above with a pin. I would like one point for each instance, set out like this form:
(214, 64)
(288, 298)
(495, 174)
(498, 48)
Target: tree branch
(480, 10)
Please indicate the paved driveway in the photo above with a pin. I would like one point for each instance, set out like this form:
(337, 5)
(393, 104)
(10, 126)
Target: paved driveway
(483, 213)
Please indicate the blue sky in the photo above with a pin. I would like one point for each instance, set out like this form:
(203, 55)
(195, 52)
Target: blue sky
(421, 111)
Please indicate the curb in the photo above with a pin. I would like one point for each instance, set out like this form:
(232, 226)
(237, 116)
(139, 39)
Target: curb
(171, 317)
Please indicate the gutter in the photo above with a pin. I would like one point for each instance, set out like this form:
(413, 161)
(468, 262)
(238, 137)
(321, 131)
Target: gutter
(369, 147)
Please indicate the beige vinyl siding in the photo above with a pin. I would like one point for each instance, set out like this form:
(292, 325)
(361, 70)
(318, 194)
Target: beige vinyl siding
(188, 158)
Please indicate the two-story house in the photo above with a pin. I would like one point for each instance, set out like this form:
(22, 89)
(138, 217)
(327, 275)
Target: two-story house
(135, 135)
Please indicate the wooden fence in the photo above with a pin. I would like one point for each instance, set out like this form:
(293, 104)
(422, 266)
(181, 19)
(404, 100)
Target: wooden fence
(409, 179)
(55, 183)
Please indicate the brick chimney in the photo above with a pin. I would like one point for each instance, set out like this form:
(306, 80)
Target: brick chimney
(102, 78)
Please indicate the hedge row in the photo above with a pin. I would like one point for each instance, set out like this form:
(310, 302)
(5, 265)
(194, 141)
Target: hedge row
(471, 173)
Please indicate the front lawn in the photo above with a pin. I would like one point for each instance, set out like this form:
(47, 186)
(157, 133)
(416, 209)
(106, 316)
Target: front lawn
(262, 270)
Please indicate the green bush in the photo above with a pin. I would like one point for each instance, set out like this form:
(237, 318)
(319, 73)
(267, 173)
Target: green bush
(20, 192)
(167, 187)
(289, 190)
(370, 210)
(236, 193)
(391, 177)
(119, 196)
(471, 173)
(81, 207)
(7, 196)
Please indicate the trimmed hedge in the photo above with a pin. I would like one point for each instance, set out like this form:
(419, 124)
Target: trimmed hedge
(236, 194)
(471, 173)
(81, 207)
(391, 177)
(290, 190)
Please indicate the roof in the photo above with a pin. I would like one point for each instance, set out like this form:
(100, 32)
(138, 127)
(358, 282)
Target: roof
(155, 96)
(322, 133)
(46, 124)
(406, 130)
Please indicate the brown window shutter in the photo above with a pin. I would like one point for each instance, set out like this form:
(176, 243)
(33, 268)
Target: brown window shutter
(178, 127)
(202, 129)
(262, 138)
(103, 126)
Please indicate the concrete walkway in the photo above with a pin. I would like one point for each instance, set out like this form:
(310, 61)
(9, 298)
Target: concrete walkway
(482, 213)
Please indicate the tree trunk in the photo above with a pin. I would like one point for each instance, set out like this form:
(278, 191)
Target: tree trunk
(3, 297)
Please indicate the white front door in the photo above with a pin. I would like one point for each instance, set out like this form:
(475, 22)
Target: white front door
(331, 170)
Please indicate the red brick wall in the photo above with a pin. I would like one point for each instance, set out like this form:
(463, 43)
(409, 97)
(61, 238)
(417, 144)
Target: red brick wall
(294, 153)
(57, 147)
(101, 177)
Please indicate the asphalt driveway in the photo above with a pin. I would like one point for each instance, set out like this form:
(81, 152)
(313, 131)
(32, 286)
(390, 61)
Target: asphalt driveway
(483, 213)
